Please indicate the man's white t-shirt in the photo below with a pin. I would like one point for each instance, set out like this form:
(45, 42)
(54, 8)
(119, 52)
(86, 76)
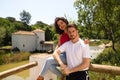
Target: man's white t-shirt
(75, 52)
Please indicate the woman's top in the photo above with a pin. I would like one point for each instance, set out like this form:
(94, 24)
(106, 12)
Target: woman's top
(64, 38)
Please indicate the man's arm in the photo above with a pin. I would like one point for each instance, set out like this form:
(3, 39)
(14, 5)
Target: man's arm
(85, 64)
(56, 56)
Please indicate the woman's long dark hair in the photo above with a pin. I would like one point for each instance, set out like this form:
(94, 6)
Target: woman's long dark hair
(57, 29)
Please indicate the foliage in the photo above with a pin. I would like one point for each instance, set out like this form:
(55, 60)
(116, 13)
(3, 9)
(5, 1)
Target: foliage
(13, 57)
(11, 19)
(109, 56)
(2, 35)
(98, 42)
(6, 28)
(99, 19)
(48, 34)
(9, 25)
(40, 24)
(108, 13)
(102, 76)
(25, 17)
(95, 43)
(49, 30)
(86, 10)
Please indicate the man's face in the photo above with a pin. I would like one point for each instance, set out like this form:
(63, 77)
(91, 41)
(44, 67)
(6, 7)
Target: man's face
(72, 32)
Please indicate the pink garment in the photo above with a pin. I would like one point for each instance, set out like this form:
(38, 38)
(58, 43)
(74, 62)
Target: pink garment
(64, 38)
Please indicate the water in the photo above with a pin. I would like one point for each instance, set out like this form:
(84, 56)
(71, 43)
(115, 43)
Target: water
(95, 51)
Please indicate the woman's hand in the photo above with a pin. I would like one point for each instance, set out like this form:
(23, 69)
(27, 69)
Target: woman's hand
(86, 41)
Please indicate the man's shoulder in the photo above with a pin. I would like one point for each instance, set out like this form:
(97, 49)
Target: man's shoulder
(82, 43)
(68, 42)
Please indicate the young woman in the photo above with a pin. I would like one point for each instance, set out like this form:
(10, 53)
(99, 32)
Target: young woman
(51, 64)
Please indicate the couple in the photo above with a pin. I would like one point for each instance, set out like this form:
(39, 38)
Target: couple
(72, 54)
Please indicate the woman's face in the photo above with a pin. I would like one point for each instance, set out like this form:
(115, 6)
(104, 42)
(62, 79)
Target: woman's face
(62, 25)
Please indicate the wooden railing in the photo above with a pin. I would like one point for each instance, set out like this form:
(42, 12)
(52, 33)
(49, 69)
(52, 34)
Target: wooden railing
(114, 70)
(17, 69)
(93, 67)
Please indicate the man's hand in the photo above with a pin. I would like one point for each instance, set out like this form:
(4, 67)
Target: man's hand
(66, 71)
(63, 66)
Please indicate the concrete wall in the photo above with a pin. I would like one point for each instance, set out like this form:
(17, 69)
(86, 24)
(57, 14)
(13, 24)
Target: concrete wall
(24, 42)
(41, 37)
(34, 72)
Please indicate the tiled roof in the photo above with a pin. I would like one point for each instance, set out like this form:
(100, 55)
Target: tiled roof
(28, 32)
(38, 30)
(24, 33)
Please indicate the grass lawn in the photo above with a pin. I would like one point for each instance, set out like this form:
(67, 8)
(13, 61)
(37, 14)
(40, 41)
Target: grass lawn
(23, 74)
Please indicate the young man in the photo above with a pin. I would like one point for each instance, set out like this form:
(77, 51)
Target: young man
(78, 56)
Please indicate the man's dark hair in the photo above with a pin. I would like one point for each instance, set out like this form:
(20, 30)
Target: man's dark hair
(72, 26)
(57, 29)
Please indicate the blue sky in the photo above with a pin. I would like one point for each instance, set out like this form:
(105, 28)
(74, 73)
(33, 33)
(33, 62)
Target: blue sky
(40, 10)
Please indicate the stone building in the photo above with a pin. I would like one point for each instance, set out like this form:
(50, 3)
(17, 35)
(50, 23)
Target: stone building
(31, 41)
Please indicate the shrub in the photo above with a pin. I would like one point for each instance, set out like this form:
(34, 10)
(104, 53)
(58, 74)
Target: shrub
(16, 57)
(109, 56)
(15, 49)
(102, 76)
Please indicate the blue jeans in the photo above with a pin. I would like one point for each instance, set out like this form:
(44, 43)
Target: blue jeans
(51, 64)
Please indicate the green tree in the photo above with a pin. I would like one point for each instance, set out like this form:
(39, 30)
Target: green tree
(11, 19)
(109, 18)
(41, 25)
(2, 35)
(100, 18)
(86, 10)
(25, 17)
(8, 27)
(49, 34)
